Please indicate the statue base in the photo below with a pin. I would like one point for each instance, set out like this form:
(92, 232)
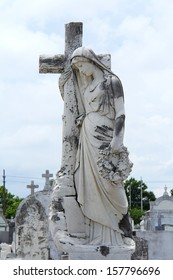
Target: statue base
(99, 253)
(69, 230)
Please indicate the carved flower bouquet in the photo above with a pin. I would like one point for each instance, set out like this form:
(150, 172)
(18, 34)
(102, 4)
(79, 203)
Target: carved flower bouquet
(114, 167)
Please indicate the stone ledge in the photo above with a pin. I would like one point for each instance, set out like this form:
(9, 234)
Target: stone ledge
(88, 252)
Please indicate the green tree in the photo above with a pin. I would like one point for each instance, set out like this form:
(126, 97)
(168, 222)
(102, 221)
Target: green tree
(136, 215)
(171, 191)
(10, 203)
(133, 192)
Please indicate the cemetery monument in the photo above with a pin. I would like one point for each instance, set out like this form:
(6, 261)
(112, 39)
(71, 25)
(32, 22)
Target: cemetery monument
(89, 209)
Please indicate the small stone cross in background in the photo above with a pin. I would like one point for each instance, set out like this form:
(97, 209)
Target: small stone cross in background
(32, 187)
(47, 175)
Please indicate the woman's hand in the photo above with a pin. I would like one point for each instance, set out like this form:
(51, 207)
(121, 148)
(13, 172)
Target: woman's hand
(116, 146)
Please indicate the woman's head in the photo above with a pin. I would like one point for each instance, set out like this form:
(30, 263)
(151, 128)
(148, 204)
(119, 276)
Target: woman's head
(86, 55)
(84, 65)
(82, 60)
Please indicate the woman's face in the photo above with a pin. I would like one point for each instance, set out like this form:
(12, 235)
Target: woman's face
(86, 68)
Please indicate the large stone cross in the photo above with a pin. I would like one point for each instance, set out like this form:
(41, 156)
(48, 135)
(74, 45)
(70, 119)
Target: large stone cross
(60, 64)
(32, 187)
(47, 175)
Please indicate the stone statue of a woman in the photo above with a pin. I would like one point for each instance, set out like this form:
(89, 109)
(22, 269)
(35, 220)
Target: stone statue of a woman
(102, 161)
(96, 191)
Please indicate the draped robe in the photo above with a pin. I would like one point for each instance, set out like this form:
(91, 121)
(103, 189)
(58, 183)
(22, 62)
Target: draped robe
(102, 202)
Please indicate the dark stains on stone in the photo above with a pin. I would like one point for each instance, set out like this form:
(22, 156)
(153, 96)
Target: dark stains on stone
(41, 240)
(141, 249)
(104, 130)
(71, 110)
(72, 140)
(48, 64)
(107, 98)
(30, 203)
(55, 218)
(116, 87)
(114, 169)
(104, 146)
(119, 124)
(72, 30)
(62, 171)
(99, 137)
(107, 128)
(113, 89)
(104, 250)
(125, 226)
(57, 205)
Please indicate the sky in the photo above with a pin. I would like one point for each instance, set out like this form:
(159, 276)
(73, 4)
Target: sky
(139, 36)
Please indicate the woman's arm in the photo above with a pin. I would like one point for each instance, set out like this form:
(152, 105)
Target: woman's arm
(118, 133)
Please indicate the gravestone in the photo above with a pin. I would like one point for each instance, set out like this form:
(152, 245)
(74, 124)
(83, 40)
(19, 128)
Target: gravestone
(32, 236)
(31, 230)
(67, 222)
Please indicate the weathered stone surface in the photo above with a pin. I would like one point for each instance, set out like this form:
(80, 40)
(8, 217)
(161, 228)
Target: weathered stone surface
(51, 64)
(97, 255)
(35, 221)
(31, 230)
(74, 217)
(141, 251)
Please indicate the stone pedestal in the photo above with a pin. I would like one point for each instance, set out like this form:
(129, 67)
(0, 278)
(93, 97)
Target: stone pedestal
(69, 231)
(85, 252)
